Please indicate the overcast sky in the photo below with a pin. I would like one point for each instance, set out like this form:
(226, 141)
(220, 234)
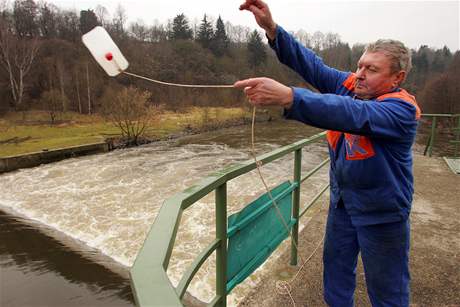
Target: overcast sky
(432, 23)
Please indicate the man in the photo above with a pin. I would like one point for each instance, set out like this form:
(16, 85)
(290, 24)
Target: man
(372, 124)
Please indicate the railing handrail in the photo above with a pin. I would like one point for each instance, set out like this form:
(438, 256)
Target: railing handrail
(430, 142)
(154, 256)
(440, 115)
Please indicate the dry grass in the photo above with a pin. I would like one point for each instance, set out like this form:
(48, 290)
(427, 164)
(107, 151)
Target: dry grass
(74, 129)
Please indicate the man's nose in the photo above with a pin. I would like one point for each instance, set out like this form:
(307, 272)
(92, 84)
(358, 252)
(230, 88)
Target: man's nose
(360, 73)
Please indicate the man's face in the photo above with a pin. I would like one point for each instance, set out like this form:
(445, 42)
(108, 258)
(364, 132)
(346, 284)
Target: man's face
(374, 76)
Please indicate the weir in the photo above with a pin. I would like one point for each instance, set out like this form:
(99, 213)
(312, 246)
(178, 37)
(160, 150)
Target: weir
(150, 283)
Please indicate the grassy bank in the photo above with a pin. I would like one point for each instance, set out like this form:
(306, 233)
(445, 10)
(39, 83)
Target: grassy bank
(30, 132)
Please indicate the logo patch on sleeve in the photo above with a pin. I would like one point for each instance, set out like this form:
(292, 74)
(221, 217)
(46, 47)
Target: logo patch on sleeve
(358, 147)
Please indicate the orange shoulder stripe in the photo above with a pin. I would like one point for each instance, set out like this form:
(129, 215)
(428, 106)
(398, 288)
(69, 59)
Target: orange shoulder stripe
(403, 95)
(349, 83)
(333, 138)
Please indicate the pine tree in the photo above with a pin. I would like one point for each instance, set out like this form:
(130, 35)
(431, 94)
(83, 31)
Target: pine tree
(257, 53)
(220, 40)
(88, 20)
(181, 28)
(205, 33)
(25, 13)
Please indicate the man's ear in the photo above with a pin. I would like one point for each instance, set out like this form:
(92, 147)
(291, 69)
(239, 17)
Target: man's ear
(399, 78)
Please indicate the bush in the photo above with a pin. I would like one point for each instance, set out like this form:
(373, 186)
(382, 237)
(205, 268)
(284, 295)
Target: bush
(129, 110)
(53, 101)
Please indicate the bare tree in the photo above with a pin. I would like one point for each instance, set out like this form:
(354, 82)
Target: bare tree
(157, 32)
(317, 40)
(89, 89)
(236, 33)
(119, 20)
(16, 58)
(139, 30)
(128, 110)
(102, 14)
(77, 90)
(50, 99)
(304, 37)
(60, 70)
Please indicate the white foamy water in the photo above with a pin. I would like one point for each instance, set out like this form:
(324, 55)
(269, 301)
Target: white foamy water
(109, 201)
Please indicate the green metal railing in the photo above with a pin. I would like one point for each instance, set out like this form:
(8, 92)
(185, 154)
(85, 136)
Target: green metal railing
(433, 133)
(150, 283)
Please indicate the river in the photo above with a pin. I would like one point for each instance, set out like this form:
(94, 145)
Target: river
(69, 230)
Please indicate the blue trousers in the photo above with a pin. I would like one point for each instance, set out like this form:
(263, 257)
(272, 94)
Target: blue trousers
(385, 254)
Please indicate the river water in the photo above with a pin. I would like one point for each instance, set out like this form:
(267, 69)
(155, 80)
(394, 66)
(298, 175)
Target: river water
(69, 226)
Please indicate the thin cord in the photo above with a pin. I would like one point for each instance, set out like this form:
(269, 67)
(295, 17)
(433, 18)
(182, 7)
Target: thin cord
(280, 285)
(177, 84)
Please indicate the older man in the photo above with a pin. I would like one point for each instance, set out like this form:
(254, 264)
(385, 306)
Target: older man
(372, 124)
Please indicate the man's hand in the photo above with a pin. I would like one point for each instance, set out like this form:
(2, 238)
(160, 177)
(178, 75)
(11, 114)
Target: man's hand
(266, 92)
(262, 14)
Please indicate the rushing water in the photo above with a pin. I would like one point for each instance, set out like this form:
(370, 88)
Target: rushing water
(104, 205)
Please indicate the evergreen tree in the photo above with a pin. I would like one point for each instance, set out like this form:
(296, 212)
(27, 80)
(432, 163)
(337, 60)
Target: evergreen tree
(441, 61)
(205, 33)
(47, 20)
(88, 20)
(25, 14)
(220, 40)
(181, 28)
(257, 53)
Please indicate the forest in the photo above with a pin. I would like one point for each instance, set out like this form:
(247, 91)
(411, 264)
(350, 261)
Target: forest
(44, 65)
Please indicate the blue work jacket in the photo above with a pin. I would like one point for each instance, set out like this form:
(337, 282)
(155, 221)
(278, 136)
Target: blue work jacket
(370, 141)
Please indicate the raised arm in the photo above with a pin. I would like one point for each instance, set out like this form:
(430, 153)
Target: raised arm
(293, 54)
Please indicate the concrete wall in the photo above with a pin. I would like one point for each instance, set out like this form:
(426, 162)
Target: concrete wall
(9, 164)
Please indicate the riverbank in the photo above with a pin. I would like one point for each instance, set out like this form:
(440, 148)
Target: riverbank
(435, 247)
(31, 142)
(32, 132)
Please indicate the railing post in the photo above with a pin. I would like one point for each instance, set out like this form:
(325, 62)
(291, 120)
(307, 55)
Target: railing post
(457, 137)
(296, 205)
(221, 252)
(431, 142)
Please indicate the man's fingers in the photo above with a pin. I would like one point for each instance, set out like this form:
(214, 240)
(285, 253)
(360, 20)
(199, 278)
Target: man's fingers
(246, 4)
(255, 10)
(247, 83)
(257, 3)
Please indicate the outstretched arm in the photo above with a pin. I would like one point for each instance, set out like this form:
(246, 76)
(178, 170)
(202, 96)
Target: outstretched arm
(391, 118)
(266, 92)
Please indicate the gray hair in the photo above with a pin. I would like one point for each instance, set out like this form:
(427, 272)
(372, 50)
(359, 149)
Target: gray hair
(399, 54)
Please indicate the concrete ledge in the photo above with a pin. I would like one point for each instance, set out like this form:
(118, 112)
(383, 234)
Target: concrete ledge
(12, 163)
(454, 164)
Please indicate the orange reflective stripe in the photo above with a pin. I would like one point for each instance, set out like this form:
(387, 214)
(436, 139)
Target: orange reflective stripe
(333, 138)
(349, 83)
(403, 95)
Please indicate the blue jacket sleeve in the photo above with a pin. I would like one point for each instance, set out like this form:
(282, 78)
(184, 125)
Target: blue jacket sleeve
(306, 63)
(389, 118)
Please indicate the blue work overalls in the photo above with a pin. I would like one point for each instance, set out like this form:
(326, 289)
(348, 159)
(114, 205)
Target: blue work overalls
(370, 145)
